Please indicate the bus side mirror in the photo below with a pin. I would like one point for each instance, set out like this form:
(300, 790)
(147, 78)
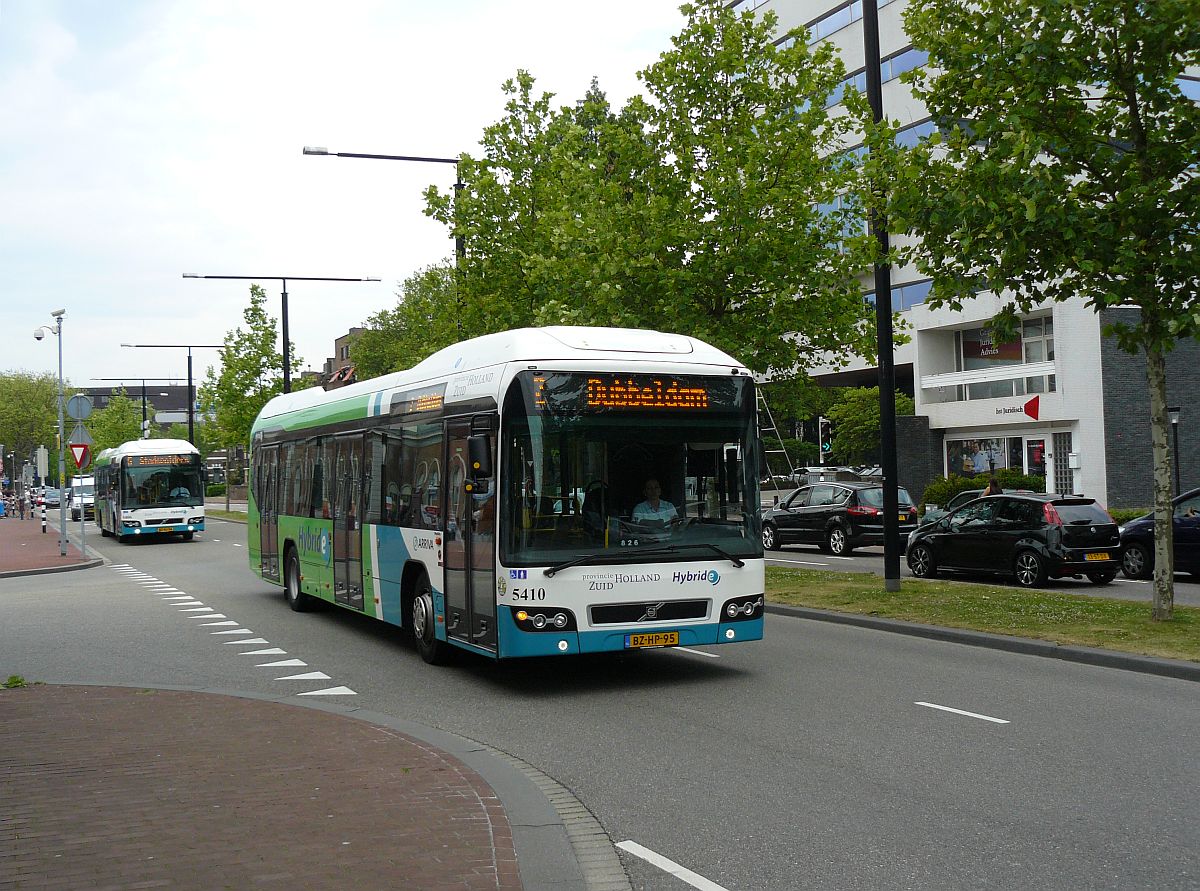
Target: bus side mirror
(479, 455)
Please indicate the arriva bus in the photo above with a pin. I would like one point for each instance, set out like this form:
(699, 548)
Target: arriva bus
(150, 487)
(500, 497)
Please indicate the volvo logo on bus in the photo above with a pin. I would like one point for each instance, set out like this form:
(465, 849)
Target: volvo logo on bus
(651, 614)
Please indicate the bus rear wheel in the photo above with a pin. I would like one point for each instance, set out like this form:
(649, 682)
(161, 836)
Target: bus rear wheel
(187, 536)
(297, 599)
(424, 625)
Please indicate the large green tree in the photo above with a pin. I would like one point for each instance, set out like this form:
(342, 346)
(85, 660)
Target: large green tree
(1067, 170)
(251, 374)
(29, 417)
(719, 206)
(856, 424)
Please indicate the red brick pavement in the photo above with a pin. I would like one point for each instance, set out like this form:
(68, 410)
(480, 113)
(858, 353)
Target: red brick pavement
(107, 787)
(23, 546)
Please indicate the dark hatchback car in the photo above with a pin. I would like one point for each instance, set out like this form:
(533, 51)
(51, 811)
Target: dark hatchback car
(1137, 539)
(837, 516)
(1032, 537)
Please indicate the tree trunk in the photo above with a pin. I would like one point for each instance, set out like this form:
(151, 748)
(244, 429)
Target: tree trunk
(1164, 545)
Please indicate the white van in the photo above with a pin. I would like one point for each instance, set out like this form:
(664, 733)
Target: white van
(82, 496)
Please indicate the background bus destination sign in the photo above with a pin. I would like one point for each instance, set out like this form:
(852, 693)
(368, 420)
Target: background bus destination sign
(621, 391)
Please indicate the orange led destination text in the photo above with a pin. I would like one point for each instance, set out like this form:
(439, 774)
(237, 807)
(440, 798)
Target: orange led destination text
(655, 394)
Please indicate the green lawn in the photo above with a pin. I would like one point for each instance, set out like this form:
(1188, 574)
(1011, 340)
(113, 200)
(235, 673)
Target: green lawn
(1076, 619)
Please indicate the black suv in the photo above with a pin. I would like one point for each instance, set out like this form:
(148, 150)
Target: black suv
(1031, 537)
(837, 516)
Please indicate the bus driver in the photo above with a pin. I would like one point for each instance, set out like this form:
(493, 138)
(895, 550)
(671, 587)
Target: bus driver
(654, 509)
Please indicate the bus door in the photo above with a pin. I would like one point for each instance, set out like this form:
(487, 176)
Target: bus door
(267, 485)
(347, 528)
(470, 546)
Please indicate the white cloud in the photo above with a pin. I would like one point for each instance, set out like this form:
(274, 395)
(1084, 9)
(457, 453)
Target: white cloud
(148, 139)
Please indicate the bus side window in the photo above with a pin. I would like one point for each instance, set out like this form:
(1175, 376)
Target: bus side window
(318, 485)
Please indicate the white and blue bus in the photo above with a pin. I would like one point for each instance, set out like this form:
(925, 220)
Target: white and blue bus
(150, 487)
(499, 497)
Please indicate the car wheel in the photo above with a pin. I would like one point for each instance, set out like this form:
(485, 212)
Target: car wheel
(296, 598)
(770, 537)
(1136, 562)
(838, 541)
(1101, 578)
(1030, 570)
(432, 650)
(920, 561)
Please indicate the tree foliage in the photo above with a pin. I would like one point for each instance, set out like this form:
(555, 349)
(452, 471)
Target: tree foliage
(251, 374)
(856, 424)
(1066, 170)
(28, 415)
(719, 206)
(118, 422)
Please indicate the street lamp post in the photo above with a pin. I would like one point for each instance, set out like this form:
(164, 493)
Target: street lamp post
(191, 390)
(459, 243)
(1173, 414)
(39, 333)
(287, 358)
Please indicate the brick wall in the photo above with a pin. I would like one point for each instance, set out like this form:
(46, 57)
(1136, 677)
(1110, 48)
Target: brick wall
(918, 454)
(1127, 416)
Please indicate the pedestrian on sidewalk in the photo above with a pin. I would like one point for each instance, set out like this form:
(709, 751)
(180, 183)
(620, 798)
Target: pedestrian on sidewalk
(21, 505)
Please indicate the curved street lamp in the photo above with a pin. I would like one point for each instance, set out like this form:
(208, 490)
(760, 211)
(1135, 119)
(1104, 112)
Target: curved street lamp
(38, 334)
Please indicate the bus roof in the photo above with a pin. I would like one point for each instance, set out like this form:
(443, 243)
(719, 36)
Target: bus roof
(556, 343)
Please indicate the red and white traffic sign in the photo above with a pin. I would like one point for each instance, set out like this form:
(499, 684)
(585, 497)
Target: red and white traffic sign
(81, 452)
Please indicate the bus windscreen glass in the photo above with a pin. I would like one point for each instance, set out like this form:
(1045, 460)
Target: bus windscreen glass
(583, 453)
(162, 481)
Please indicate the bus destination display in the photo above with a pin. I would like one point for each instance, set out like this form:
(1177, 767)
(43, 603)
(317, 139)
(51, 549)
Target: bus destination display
(160, 460)
(628, 392)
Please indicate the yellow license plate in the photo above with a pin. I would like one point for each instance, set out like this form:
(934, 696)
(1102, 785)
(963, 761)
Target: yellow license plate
(166, 528)
(656, 639)
(1101, 555)
(904, 518)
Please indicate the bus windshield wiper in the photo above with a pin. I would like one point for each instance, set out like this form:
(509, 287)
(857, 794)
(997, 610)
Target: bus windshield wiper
(671, 549)
(549, 571)
(668, 549)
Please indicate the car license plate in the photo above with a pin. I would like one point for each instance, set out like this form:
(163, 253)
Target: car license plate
(904, 518)
(1098, 555)
(166, 528)
(654, 639)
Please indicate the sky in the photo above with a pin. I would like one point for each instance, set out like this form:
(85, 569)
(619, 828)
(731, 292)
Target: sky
(145, 139)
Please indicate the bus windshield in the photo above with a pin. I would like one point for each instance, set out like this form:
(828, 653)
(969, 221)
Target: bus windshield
(607, 466)
(162, 483)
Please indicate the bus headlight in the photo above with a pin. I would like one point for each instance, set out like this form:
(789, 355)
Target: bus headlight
(544, 619)
(741, 609)
(195, 520)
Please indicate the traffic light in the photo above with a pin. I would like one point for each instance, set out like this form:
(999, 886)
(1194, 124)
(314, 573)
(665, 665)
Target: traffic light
(824, 435)
(146, 429)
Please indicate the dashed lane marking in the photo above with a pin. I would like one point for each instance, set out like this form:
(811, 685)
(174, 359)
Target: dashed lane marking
(670, 866)
(698, 652)
(958, 711)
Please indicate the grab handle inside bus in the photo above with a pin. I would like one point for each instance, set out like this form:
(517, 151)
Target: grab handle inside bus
(479, 454)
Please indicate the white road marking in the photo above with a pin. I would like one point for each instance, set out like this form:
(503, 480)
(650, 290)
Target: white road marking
(281, 663)
(181, 597)
(670, 866)
(226, 622)
(958, 711)
(234, 631)
(253, 640)
(209, 616)
(308, 676)
(698, 652)
(195, 609)
(273, 651)
(800, 562)
(236, 545)
(332, 691)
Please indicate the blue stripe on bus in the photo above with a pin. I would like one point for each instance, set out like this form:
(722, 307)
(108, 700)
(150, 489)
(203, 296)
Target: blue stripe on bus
(515, 643)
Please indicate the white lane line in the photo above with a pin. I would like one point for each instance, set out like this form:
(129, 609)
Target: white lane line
(281, 663)
(207, 615)
(180, 597)
(272, 651)
(236, 545)
(800, 562)
(670, 866)
(195, 609)
(227, 622)
(307, 676)
(698, 652)
(253, 640)
(958, 711)
(332, 691)
(234, 631)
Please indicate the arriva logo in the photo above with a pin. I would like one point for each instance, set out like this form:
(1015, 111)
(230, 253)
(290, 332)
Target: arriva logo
(692, 576)
(313, 540)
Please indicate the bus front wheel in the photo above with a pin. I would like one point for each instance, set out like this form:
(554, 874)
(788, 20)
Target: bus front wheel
(424, 622)
(297, 599)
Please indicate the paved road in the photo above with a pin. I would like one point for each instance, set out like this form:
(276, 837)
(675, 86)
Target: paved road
(818, 758)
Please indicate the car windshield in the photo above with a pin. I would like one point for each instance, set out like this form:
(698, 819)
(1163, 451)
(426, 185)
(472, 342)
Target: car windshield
(874, 497)
(1082, 512)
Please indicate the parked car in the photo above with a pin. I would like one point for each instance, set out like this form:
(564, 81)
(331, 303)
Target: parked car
(933, 512)
(1031, 537)
(837, 516)
(1137, 539)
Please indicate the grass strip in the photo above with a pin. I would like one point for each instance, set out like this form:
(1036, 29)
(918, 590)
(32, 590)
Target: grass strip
(237, 516)
(1075, 619)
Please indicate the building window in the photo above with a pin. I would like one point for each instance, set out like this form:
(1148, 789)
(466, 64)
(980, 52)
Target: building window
(889, 69)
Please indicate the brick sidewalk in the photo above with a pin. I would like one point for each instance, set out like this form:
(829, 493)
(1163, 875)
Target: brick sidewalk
(24, 548)
(111, 787)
